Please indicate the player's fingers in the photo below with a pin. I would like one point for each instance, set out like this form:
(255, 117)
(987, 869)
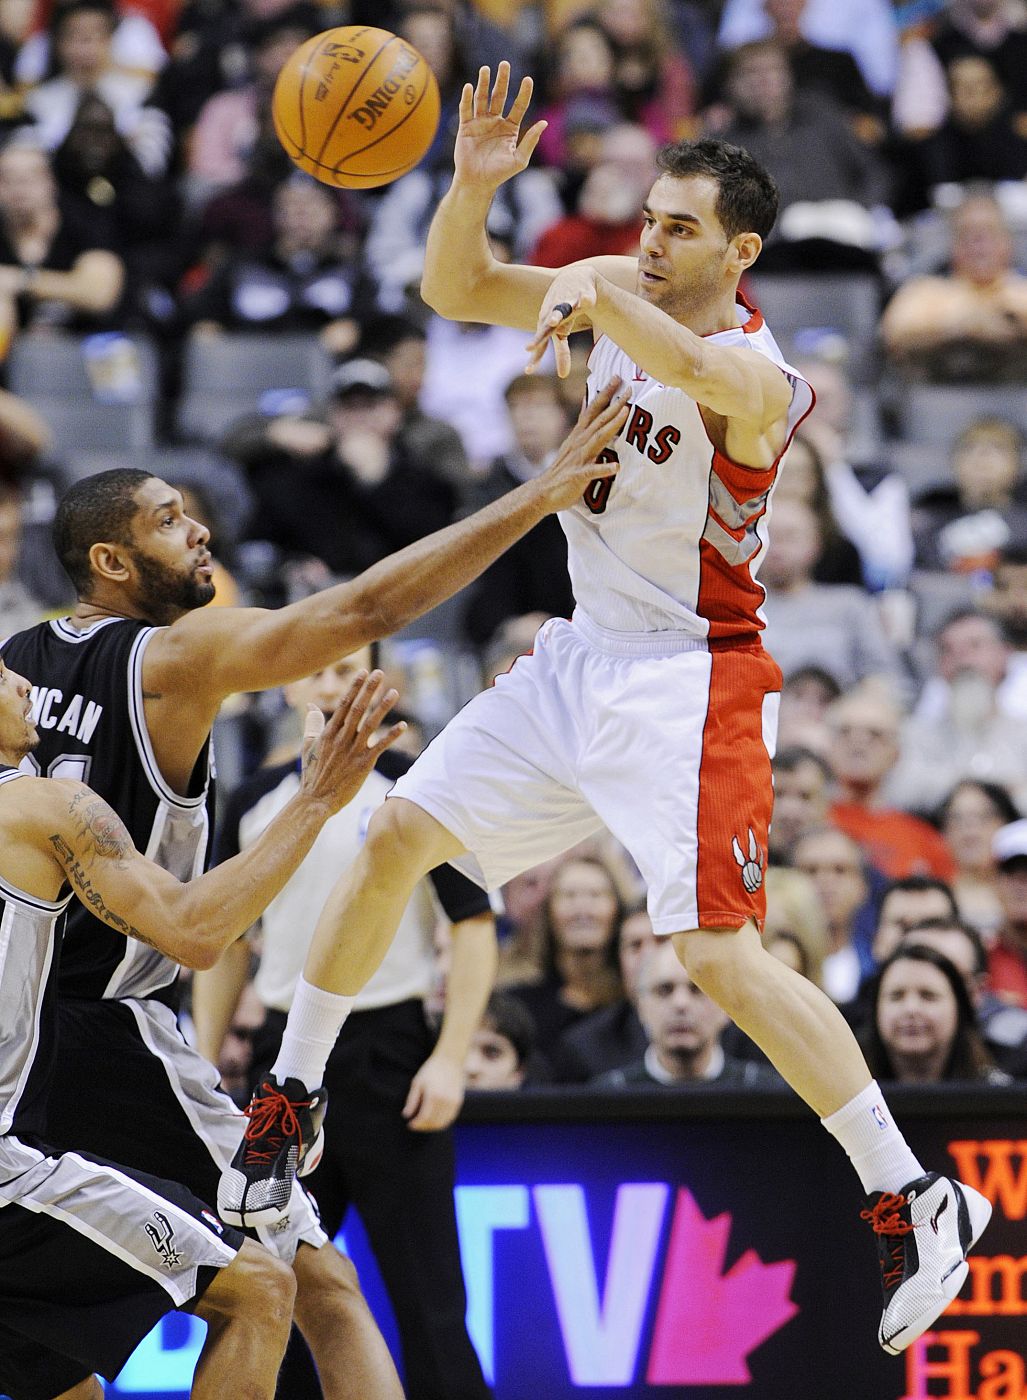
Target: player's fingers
(536, 350)
(381, 706)
(313, 728)
(521, 102)
(605, 430)
(466, 102)
(481, 92)
(342, 711)
(591, 410)
(357, 707)
(387, 738)
(500, 90)
(528, 142)
(563, 356)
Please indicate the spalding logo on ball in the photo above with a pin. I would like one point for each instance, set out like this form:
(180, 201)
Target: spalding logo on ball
(356, 107)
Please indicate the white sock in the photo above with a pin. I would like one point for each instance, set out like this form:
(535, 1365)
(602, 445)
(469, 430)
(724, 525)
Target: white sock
(875, 1147)
(310, 1033)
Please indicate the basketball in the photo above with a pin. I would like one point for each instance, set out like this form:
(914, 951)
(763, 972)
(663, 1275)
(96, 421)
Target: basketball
(356, 107)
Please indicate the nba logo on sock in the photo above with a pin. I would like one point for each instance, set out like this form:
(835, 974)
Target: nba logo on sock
(877, 1112)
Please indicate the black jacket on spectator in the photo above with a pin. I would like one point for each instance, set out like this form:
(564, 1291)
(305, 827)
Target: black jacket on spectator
(608, 1039)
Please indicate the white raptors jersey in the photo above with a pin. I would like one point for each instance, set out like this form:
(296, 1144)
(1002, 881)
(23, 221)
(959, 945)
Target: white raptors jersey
(674, 541)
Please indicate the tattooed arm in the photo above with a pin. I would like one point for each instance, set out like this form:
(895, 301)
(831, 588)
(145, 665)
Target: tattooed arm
(193, 923)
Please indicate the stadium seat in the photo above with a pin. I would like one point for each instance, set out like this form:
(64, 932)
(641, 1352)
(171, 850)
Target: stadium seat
(846, 303)
(227, 376)
(95, 392)
(937, 413)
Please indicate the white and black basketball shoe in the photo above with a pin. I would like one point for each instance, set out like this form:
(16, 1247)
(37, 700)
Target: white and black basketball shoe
(924, 1234)
(283, 1139)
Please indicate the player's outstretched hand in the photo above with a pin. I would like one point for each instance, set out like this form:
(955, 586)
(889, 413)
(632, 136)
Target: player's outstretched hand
(574, 467)
(489, 146)
(338, 756)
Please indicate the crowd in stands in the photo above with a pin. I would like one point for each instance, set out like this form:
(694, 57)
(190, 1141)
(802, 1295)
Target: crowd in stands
(259, 339)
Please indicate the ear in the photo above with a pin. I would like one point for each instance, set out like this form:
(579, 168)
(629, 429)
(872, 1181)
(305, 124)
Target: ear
(109, 562)
(747, 248)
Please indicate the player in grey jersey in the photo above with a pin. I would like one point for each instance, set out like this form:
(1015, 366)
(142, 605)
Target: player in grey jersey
(130, 1246)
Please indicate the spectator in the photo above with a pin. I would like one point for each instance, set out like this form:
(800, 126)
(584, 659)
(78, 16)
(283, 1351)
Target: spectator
(342, 490)
(502, 1053)
(864, 28)
(834, 626)
(83, 31)
(608, 214)
(653, 79)
(832, 71)
(904, 903)
(803, 478)
(864, 727)
(806, 696)
(307, 280)
(968, 819)
(18, 607)
(969, 323)
(1006, 600)
(580, 972)
(1007, 958)
(230, 123)
(1003, 1027)
(989, 29)
(828, 181)
(980, 139)
(802, 795)
(683, 1027)
(613, 1037)
(835, 865)
(965, 524)
(399, 343)
(796, 928)
(580, 88)
(963, 734)
(924, 1029)
(870, 501)
(53, 271)
(103, 188)
(531, 577)
(522, 922)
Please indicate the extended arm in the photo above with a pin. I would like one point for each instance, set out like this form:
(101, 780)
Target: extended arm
(214, 652)
(462, 280)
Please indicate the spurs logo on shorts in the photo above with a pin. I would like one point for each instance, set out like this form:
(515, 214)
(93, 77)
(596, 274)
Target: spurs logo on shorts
(162, 1237)
(752, 869)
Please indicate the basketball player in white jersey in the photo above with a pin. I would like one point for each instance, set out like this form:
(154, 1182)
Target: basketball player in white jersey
(653, 711)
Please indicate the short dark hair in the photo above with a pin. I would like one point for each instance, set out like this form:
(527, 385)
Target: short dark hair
(510, 1018)
(786, 760)
(939, 925)
(999, 797)
(97, 508)
(918, 884)
(68, 8)
(747, 198)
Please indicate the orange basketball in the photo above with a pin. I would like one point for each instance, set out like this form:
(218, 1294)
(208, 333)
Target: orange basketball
(355, 106)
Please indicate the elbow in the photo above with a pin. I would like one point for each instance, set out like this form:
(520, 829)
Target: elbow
(200, 955)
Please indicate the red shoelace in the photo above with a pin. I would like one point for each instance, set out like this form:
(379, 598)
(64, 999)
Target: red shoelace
(885, 1219)
(271, 1110)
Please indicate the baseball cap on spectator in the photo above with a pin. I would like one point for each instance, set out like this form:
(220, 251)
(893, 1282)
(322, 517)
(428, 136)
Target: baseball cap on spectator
(1010, 842)
(360, 376)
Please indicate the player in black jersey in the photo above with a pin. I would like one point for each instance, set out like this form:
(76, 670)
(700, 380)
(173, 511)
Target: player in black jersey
(92, 1253)
(125, 692)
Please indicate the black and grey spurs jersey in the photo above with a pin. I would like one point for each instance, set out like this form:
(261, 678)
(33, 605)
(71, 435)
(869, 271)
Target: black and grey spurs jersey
(87, 702)
(30, 936)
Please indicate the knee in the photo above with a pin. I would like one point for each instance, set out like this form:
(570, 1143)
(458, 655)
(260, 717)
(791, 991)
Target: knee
(328, 1290)
(717, 961)
(267, 1287)
(403, 838)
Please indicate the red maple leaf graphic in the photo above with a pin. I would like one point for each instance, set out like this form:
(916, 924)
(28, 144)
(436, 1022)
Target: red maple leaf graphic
(708, 1321)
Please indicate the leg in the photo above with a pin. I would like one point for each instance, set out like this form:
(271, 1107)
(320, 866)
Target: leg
(248, 1311)
(352, 1359)
(403, 844)
(90, 1389)
(794, 1023)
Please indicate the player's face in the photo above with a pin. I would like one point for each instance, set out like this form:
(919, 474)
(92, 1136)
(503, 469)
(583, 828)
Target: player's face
(18, 735)
(169, 554)
(684, 255)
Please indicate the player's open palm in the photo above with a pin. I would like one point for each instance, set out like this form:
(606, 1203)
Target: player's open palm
(339, 754)
(489, 146)
(574, 467)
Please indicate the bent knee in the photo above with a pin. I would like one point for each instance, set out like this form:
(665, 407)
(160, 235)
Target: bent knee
(324, 1274)
(716, 959)
(404, 834)
(256, 1282)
